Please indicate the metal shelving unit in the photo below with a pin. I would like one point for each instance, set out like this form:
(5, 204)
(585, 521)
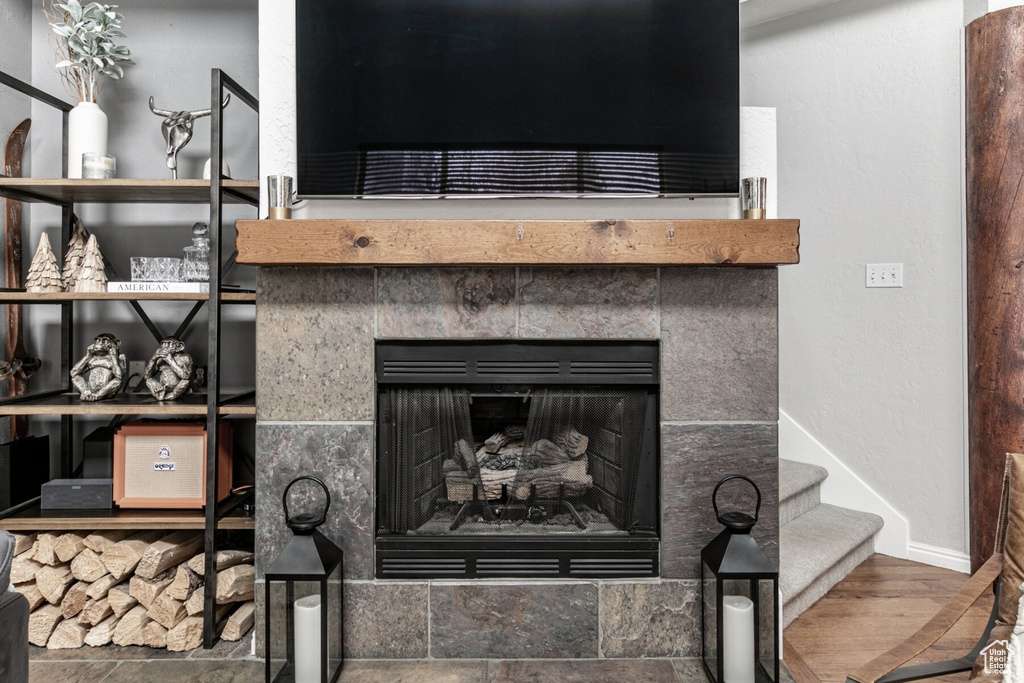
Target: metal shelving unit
(214, 405)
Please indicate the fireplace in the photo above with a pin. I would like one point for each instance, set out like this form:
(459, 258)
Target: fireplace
(517, 458)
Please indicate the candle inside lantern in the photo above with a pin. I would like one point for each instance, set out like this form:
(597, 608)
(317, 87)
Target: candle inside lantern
(96, 165)
(737, 639)
(307, 639)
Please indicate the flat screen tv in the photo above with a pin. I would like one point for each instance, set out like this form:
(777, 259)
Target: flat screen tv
(517, 97)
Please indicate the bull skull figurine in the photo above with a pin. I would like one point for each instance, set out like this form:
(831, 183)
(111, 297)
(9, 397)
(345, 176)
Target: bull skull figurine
(177, 129)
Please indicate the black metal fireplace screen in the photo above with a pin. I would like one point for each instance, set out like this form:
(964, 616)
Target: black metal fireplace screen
(527, 459)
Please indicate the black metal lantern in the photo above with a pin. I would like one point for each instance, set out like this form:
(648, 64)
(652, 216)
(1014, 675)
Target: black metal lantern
(303, 607)
(739, 601)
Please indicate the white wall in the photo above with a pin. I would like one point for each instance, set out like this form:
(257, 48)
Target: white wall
(870, 157)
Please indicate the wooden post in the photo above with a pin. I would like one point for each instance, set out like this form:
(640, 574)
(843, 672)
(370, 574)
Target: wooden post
(995, 262)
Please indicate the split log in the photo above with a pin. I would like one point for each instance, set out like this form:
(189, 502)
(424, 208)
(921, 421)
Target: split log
(573, 474)
(450, 465)
(43, 547)
(121, 558)
(103, 632)
(222, 560)
(130, 629)
(464, 454)
(74, 600)
(510, 433)
(167, 552)
(121, 601)
(23, 542)
(239, 622)
(98, 541)
(101, 586)
(95, 611)
(167, 611)
(194, 605)
(31, 593)
(41, 624)
(147, 590)
(68, 635)
(155, 635)
(68, 545)
(88, 566)
(54, 582)
(236, 584)
(572, 442)
(185, 582)
(188, 635)
(544, 453)
(24, 567)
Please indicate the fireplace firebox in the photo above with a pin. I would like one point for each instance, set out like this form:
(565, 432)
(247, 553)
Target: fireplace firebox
(526, 459)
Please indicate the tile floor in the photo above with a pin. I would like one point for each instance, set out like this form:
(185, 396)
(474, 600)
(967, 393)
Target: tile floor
(230, 663)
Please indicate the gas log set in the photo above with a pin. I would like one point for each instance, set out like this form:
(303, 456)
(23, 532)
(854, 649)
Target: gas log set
(141, 589)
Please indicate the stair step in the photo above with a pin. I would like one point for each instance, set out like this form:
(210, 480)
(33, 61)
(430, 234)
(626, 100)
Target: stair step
(799, 488)
(816, 542)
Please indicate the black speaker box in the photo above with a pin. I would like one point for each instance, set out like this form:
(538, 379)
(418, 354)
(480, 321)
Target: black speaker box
(98, 454)
(78, 494)
(24, 468)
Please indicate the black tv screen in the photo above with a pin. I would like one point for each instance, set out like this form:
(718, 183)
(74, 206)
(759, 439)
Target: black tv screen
(517, 97)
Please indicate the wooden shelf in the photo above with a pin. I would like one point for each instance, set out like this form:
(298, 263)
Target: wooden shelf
(518, 243)
(124, 404)
(126, 190)
(58, 297)
(34, 519)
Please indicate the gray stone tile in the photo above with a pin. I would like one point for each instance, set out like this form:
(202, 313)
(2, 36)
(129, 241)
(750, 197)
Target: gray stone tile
(584, 671)
(526, 620)
(386, 621)
(719, 354)
(339, 454)
(225, 649)
(413, 672)
(650, 619)
(690, 670)
(106, 653)
(314, 344)
(446, 302)
(694, 459)
(206, 671)
(69, 672)
(588, 303)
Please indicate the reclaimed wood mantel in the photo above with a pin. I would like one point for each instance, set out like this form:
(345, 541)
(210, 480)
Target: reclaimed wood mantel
(379, 242)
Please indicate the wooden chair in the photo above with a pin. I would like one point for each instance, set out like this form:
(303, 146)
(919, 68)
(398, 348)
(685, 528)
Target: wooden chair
(1003, 572)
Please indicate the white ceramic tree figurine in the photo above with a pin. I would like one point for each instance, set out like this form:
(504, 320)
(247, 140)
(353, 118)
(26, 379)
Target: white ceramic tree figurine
(92, 277)
(43, 274)
(73, 259)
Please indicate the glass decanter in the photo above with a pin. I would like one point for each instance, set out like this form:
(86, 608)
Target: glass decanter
(197, 256)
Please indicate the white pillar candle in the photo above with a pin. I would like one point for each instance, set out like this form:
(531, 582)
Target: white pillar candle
(307, 639)
(737, 639)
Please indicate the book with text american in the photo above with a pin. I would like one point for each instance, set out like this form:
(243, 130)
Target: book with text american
(160, 287)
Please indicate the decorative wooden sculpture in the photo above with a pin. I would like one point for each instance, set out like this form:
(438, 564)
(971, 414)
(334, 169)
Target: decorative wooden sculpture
(169, 371)
(75, 256)
(92, 277)
(101, 372)
(43, 274)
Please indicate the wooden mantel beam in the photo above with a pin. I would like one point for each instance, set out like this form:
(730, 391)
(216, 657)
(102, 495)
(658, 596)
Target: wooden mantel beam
(518, 243)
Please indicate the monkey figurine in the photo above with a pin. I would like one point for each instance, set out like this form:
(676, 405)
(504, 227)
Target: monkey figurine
(101, 373)
(169, 371)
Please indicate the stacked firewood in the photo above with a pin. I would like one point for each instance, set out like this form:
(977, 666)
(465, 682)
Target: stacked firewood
(546, 468)
(139, 589)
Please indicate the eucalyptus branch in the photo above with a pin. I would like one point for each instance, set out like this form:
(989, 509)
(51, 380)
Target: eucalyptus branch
(83, 44)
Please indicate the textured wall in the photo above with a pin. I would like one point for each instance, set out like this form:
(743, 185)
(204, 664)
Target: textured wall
(870, 158)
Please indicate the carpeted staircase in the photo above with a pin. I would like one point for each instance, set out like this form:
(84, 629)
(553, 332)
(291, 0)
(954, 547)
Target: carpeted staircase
(818, 544)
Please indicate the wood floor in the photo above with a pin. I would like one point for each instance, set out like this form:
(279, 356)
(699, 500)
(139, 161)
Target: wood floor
(881, 603)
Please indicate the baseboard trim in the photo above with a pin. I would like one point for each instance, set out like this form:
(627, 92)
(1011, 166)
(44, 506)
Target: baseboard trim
(939, 557)
(844, 488)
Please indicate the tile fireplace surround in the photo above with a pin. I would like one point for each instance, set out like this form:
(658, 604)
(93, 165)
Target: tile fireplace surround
(718, 330)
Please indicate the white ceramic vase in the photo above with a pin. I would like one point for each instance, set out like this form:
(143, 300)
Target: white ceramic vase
(87, 132)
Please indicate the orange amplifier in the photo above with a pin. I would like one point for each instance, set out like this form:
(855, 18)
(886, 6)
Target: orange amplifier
(163, 464)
